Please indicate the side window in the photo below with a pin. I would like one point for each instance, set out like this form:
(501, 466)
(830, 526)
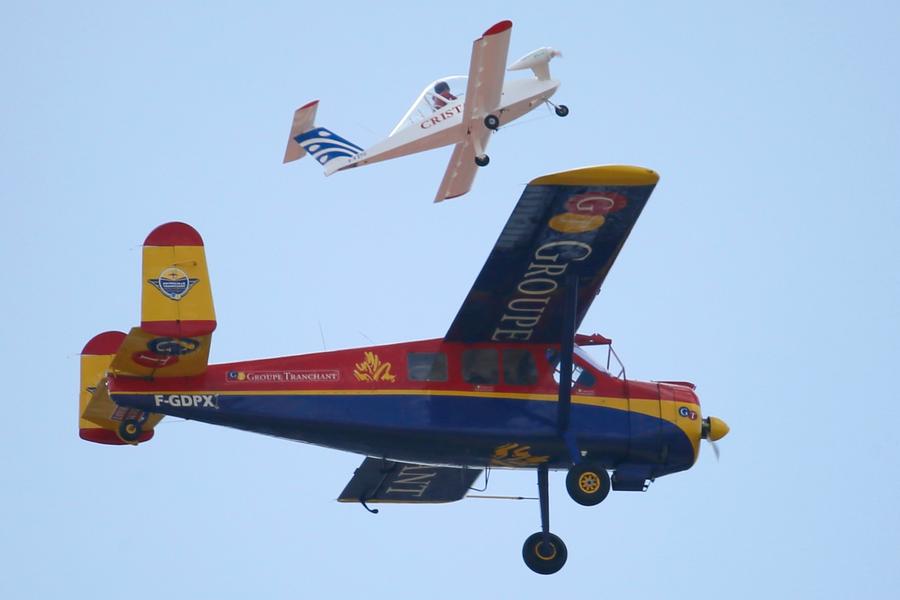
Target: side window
(480, 366)
(580, 376)
(519, 367)
(426, 366)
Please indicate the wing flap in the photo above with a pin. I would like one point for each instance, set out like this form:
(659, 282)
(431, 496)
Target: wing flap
(379, 480)
(572, 223)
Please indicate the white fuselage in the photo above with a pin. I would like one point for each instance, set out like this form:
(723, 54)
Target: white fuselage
(445, 126)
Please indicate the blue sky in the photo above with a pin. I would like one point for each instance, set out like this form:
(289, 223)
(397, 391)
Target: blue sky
(764, 269)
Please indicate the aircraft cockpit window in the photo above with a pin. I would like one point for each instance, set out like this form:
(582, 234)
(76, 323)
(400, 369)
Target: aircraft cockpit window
(440, 94)
(426, 366)
(519, 367)
(480, 366)
(581, 377)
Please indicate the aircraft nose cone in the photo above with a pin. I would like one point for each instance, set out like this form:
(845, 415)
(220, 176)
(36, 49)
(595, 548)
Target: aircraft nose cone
(717, 429)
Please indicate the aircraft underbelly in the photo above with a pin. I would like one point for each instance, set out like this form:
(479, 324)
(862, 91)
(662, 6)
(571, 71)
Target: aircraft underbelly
(450, 429)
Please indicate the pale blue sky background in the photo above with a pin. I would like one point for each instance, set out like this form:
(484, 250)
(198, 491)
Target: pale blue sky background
(764, 269)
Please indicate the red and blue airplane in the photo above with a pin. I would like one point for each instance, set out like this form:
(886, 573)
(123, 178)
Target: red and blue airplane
(509, 385)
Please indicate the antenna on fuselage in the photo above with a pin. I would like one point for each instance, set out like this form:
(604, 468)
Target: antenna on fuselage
(322, 333)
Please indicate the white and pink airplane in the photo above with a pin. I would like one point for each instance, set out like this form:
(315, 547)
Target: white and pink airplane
(452, 110)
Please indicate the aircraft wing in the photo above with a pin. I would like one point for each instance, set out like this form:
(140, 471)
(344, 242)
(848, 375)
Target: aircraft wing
(461, 169)
(567, 224)
(379, 480)
(486, 70)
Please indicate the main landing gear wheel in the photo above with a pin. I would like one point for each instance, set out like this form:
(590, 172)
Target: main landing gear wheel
(562, 110)
(543, 551)
(130, 430)
(587, 484)
(482, 161)
(492, 122)
(543, 557)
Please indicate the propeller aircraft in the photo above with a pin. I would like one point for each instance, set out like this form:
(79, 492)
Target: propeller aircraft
(510, 385)
(456, 110)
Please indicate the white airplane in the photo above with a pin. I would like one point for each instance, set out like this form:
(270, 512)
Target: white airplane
(452, 110)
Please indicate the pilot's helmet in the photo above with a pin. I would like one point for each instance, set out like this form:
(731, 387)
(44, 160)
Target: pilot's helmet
(441, 86)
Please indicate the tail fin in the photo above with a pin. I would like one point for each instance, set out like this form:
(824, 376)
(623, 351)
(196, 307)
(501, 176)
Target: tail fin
(99, 419)
(304, 119)
(328, 148)
(177, 314)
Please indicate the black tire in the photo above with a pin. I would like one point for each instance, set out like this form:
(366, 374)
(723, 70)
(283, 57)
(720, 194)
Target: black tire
(562, 110)
(540, 559)
(588, 484)
(130, 430)
(482, 161)
(492, 122)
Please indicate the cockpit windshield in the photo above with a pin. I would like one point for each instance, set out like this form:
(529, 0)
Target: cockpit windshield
(436, 95)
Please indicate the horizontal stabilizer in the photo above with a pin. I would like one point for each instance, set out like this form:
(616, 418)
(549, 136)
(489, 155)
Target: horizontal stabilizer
(379, 480)
(99, 417)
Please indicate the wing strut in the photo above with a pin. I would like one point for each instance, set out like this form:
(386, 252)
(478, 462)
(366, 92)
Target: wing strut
(567, 349)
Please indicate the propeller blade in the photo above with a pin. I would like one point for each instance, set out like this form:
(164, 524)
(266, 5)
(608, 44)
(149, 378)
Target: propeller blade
(715, 448)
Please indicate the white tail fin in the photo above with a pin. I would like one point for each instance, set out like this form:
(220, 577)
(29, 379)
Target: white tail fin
(304, 120)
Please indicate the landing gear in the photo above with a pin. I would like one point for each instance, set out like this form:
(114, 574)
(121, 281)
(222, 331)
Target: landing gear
(492, 122)
(544, 557)
(544, 552)
(130, 430)
(483, 160)
(561, 109)
(587, 484)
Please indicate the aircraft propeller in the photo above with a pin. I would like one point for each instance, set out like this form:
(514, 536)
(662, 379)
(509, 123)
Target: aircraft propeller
(713, 430)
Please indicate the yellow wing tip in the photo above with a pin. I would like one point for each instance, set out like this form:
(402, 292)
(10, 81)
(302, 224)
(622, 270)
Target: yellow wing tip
(601, 175)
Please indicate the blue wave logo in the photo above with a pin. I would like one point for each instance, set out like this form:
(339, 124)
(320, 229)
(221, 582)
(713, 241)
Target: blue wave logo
(325, 146)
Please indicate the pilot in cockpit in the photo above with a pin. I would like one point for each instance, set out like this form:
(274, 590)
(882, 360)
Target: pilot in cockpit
(442, 95)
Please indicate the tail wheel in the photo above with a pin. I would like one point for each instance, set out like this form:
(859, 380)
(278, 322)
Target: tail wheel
(543, 557)
(562, 110)
(587, 484)
(482, 161)
(130, 430)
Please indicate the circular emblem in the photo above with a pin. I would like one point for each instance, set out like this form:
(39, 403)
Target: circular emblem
(684, 411)
(173, 283)
(173, 346)
(576, 222)
(596, 204)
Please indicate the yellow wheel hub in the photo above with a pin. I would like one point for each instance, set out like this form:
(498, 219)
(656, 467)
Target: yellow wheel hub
(537, 551)
(589, 482)
(130, 429)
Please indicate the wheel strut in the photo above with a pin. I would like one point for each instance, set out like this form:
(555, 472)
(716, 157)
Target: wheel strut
(544, 552)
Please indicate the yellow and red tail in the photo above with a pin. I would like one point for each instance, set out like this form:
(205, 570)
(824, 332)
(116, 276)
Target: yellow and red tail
(177, 321)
